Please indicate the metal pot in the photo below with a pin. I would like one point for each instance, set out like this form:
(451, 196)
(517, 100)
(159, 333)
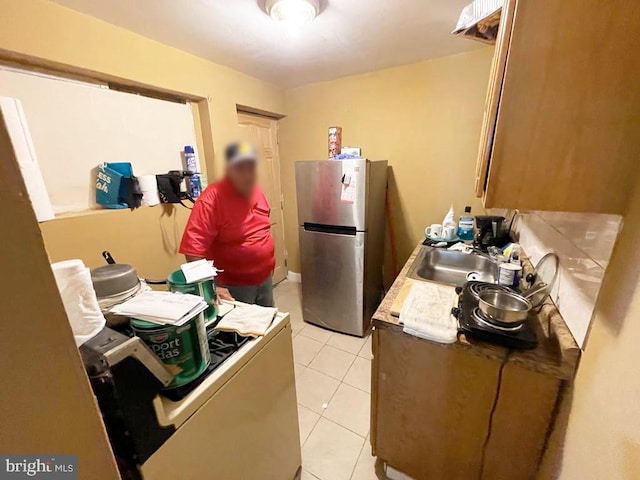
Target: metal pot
(504, 307)
(510, 308)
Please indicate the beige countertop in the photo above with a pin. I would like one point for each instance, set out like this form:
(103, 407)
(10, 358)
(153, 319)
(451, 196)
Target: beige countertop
(557, 353)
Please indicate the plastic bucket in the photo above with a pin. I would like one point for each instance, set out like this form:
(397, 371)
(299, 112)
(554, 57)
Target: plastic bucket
(184, 350)
(204, 288)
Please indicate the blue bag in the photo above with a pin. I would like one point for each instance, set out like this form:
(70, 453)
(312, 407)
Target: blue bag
(110, 189)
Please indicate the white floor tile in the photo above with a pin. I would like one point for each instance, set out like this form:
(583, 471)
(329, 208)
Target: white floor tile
(299, 369)
(350, 408)
(347, 343)
(365, 351)
(307, 420)
(305, 349)
(296, 325)
(331, 451)
(317, 333)
(366, 466)
(307, 475)
(359, 375)
(332, 362)
(315, 389)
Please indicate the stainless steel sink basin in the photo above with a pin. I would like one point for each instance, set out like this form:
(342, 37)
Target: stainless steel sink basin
(452, 268)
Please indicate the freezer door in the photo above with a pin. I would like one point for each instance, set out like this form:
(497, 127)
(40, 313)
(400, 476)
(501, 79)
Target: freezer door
(332, 280)
(332, 192)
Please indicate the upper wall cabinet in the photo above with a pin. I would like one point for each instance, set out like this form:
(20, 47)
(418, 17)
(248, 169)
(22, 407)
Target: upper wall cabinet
(561, 129)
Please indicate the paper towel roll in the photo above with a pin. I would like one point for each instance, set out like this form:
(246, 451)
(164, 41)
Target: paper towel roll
(79, 299)
(149, 188)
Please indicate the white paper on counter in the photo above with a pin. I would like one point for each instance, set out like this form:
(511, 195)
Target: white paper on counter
(16, 124)
(198, 270)
(162, 307)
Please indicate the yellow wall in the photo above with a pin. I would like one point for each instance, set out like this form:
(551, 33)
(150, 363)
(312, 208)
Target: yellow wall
(603, 435)
(47, 404)
(47, 31)
(424, 118)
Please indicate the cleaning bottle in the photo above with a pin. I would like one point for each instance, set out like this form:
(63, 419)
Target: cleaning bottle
(465, 225)
(193, 181)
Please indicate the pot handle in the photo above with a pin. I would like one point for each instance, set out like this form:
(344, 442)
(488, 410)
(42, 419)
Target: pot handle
(109, 259)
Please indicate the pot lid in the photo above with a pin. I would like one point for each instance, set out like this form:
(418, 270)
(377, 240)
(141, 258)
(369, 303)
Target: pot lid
(114, 279)
(545, 276)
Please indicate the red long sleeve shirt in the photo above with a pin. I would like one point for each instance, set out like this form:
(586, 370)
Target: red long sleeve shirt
(234, 232)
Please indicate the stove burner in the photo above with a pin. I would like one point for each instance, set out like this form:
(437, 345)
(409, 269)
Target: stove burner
(474, 323)
(476, 288)
(483, 319)
(221, 346)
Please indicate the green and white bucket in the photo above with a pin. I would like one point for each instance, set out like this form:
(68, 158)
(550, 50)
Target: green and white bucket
(204, 288)
(183, 349)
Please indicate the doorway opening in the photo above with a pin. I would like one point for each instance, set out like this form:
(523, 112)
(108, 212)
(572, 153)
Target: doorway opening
(262, 132)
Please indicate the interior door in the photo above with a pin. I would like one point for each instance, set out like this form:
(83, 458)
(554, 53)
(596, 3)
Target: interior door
(262, 132)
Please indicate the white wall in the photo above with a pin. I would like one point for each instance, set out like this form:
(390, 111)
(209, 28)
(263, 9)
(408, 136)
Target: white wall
(584, 242)
(75, 126)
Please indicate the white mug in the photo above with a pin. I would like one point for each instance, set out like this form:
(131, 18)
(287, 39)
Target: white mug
(433, 231)
(448, 233)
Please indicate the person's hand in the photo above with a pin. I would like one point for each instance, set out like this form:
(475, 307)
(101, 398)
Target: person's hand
(224, 294)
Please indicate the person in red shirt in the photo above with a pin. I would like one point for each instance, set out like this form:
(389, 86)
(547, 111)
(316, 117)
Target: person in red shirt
(230, 225)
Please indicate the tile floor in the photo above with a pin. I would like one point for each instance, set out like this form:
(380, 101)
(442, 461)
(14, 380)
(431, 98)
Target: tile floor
(333, 381)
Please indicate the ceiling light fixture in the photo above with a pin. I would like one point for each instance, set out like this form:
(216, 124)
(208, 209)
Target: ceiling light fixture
(293, 13)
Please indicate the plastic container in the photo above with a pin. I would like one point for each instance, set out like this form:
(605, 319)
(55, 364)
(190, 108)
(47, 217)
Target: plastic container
(191, 163)
(515, 255)
(195, 186)
(183, 349)
(204, 288)
(509, 274)
(465, 225)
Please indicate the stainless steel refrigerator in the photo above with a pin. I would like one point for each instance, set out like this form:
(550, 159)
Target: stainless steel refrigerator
(341, 218)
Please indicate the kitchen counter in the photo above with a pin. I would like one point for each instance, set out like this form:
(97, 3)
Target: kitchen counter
(557, 353)
(466, 400)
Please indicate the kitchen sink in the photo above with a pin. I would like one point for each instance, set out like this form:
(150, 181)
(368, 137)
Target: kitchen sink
(453, 268)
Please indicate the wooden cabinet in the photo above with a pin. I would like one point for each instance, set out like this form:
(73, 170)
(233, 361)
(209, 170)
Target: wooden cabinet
(562, 120)
(469, 409)
(446, 412)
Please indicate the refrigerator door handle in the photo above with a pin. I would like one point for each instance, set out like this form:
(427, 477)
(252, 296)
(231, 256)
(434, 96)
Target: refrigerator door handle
(333, 229)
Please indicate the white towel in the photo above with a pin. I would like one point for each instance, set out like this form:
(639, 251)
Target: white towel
(79, 299)
(149, 189)
(426, 313)
(248, 320)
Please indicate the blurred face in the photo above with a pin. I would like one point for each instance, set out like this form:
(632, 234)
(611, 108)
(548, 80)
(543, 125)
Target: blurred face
(243, 176)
